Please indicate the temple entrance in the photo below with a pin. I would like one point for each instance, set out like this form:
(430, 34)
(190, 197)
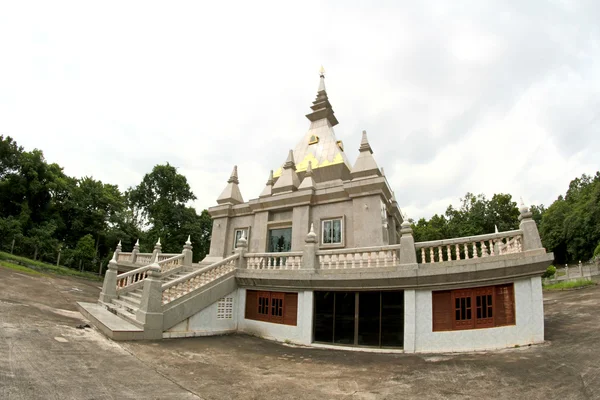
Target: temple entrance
(359, 318)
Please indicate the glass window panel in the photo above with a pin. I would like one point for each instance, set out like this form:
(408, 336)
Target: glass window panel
(344, 317)
(337, 231)
(324, 316)
(280, 240)
(327, 232)
(368, 318)
(392, 319)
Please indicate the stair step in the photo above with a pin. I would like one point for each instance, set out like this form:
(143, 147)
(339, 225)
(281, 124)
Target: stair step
(136, 294)
(128, 307)
(134, 301)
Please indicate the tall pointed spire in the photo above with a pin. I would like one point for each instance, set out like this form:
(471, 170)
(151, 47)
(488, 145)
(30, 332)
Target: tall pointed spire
(288, 181)
(268, 190)
(365, 163)
(231, 194)
(321, 106)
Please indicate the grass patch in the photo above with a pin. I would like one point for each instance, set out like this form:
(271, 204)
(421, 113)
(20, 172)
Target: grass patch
(569, 284)
(20, 268)
(40, 266)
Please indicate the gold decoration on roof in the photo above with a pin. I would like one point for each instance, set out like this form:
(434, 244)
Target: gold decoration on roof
(313, 139)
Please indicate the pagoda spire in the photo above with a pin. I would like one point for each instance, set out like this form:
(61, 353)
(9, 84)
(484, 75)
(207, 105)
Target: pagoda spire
(321, 106)
(365, 163)
(231, 194)
(268, 190)
(288, 181)
(308, 182)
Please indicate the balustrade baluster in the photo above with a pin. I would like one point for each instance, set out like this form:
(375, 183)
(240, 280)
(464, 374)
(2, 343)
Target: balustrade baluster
(484, 251)
(448, 252)
(466, 252)
(423, 260)
(474, 244)
(457, 251)
(440, 254)
(431, 256)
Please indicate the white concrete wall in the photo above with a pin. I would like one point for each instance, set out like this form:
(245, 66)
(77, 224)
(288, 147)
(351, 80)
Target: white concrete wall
(301, 333)
(529, 328)
(205, 322)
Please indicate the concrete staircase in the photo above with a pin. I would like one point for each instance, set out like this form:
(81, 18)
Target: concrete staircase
(143, 303)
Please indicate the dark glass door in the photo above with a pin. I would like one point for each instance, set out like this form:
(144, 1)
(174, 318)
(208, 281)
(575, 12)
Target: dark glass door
(359, 318)
(369, 306)
(392, 319)
(324, 305)
(345, 307)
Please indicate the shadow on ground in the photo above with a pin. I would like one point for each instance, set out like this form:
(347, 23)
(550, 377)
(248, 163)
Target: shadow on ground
(44, 356)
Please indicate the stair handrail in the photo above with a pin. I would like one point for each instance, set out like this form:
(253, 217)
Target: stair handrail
(464, 239)
(133, 276)
(197, 272)
(167, 260)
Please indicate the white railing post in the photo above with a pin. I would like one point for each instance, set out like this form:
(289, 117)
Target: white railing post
(156, 252)
(150, 312)
(408, 253)
(531, 236)
(136, 250)
(242, 247)
(118, 251)
(109, 287)
(309, 255)
(187, 253)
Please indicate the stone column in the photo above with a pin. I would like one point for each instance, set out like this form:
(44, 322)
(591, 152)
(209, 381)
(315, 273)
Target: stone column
(408, 254)
(531, 236)
(309, 256)
(187, 253)
(150, 312)
(136, 250)
(156, 252)
(242, 244)
(109, 287)
(118, 250)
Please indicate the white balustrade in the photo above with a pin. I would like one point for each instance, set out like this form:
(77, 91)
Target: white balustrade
(124, 257)
(131, 277)
(196, 279)
(169, 261)
(143, 258)
(286, 260)
(366, 257)
(472, 247)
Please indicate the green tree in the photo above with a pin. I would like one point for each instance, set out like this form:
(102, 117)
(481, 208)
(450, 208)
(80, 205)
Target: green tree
(85, 251)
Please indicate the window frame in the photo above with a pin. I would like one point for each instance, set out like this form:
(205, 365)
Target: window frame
(235, 238)
(280, 307)
(462, 310)
(342, 242)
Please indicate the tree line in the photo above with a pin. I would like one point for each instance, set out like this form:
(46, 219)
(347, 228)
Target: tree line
(569, 227)
(44, 212)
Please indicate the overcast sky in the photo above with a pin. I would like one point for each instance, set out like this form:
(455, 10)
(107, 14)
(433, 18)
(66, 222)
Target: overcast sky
(485, 97)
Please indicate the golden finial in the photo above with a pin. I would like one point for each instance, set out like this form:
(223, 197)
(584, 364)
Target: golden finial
(322, 71)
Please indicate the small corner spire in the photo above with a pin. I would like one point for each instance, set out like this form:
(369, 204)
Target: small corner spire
(234, 176)
(188, 241)
(270, 180)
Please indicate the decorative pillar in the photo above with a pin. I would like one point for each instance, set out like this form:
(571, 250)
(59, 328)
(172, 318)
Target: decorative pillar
(156, 252)
(150, 313)
(136, 250)
(118, 250)
(407, 245)
(531, 236)
(187, 253)
(242, 247)
(309, 256)
(109, 287)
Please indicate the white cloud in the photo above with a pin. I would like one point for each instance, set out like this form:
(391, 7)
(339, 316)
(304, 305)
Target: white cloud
(489, 97)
